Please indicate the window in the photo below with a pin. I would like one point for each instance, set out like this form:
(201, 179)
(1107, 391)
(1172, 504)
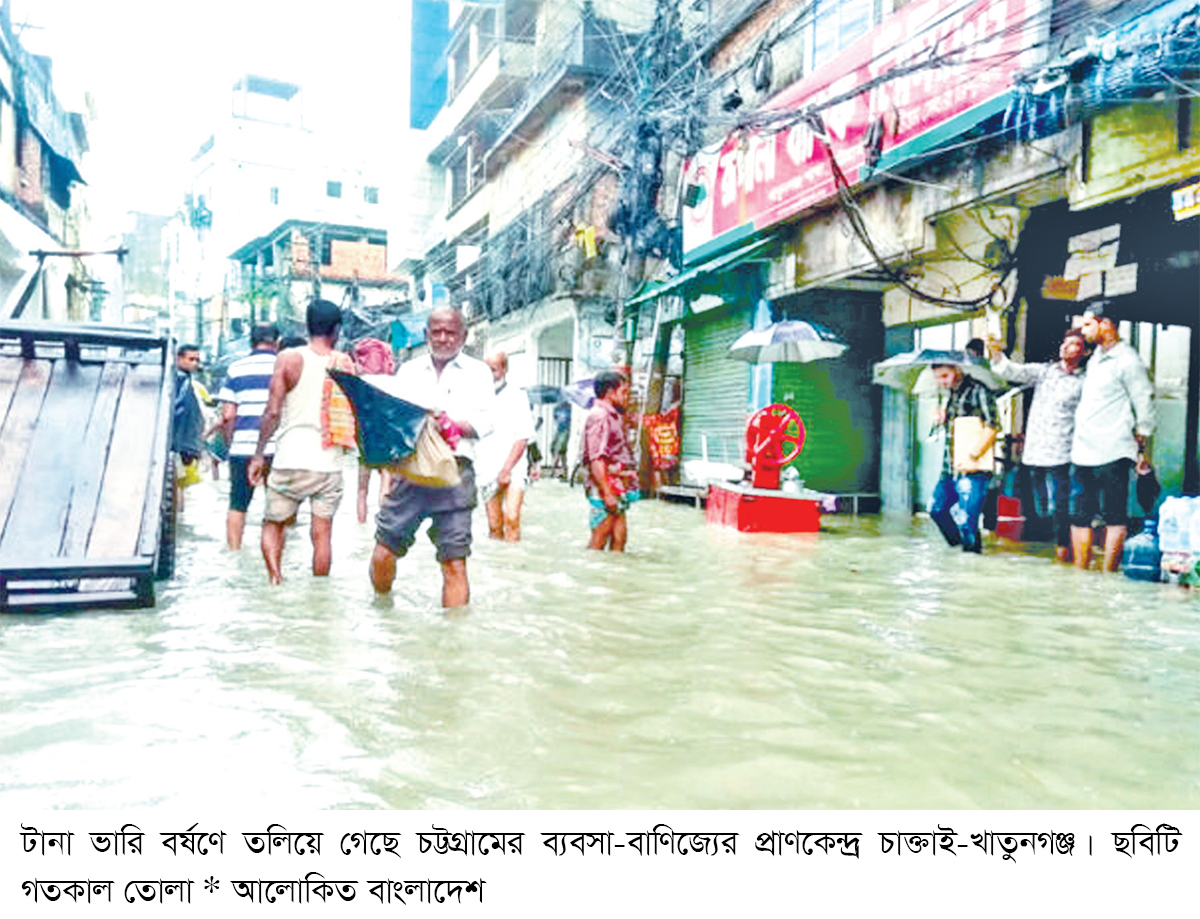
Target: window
(274, 194)
(520, 20)
(459, 178)
(333, 189)
(487, 30)
(838, 24)
(371, 194)
(460, 57)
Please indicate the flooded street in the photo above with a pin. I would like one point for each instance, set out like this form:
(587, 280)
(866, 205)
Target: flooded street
(705, 669)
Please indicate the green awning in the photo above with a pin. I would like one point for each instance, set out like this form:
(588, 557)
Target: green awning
(654, 289)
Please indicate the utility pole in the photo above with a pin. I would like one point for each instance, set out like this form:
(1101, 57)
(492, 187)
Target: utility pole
(314, 260)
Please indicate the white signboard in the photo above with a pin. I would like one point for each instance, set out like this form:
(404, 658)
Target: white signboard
(1120, 280)
(1094, 239)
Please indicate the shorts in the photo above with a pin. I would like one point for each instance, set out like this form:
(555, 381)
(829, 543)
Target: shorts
(1100, 496)
(597, 511)
(287, 489)
(516, 483)
(240, 489)
(558, 446)
(406, 505)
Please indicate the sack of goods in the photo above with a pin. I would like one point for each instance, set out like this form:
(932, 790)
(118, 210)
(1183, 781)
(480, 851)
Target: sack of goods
(433, 462)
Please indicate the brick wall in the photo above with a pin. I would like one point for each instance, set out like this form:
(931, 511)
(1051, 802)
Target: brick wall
(301, 263)
(356, 259)
(29, 170)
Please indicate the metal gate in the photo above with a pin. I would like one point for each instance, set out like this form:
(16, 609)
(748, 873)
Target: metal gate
(551, 371)
(716, 391)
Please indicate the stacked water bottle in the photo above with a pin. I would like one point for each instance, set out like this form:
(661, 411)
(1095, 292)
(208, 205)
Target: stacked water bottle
(1178, 541)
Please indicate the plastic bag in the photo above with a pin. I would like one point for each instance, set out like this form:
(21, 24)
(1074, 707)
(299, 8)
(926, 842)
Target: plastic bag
(432, 463)
(190, 474)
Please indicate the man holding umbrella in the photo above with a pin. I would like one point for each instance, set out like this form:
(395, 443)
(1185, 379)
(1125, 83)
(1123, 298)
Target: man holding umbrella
(971, 424)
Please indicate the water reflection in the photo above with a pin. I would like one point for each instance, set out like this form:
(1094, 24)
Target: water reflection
(862, 668)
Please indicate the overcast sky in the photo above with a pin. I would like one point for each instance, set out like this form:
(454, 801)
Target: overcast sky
(160, 73)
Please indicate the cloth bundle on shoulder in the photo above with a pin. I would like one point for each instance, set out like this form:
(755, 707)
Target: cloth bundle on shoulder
(397, 434)
(373, 356)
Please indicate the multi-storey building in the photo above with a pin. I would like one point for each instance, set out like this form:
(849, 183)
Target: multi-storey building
(144, 275)
(350, 268)
(912, 174)
(260, 170)
(41, 208)
(522, 245)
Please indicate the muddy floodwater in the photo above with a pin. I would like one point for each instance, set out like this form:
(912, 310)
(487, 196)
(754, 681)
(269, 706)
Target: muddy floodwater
(865, 667)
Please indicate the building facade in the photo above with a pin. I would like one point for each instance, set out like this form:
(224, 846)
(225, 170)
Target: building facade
(910, 174)
(260, 169)
(912, 198)
(42, 209)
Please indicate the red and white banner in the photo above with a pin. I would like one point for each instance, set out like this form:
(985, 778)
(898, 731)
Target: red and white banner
(952, 57)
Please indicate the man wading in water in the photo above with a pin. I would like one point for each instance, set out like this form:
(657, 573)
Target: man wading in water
(460, 390)
(303, 469)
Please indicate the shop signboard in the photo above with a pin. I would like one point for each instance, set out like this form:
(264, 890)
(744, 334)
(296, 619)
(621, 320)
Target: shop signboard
(1185, 202)
(927, 73)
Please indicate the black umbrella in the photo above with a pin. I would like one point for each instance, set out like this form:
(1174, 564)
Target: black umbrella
(387, 426)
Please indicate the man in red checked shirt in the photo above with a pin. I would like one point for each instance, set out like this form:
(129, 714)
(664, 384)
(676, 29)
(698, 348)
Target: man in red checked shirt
(459, 389)
(611, 472)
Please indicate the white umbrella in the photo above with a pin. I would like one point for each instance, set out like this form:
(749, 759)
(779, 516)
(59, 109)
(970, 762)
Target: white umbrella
(793, 341)
(910, 371)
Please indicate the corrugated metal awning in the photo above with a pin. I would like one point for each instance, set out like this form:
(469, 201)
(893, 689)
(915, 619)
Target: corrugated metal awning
(713, 264)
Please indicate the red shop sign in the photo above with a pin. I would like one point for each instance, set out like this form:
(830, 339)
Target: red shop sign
(956, 61)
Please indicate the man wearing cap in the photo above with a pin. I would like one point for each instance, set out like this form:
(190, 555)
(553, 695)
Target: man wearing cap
(243, 398)
(1114, 418)
(963, 485)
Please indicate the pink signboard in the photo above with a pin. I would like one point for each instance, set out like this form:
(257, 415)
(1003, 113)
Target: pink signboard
(931, 67)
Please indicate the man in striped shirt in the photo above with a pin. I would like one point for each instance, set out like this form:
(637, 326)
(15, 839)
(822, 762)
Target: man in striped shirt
(243, 398)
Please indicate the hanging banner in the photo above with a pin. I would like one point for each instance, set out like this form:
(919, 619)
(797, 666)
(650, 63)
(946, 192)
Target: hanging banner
(929, 72)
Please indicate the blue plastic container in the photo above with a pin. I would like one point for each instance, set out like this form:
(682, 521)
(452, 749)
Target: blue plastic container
(1141, 558)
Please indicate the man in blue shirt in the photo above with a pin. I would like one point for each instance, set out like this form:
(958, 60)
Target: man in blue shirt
(243, 398)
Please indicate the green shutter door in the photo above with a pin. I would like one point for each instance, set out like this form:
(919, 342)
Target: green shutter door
(716, 390)
(834, 447)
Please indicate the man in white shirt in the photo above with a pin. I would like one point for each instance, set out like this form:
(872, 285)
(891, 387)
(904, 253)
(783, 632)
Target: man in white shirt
(1114, 418)
(502, 463)
(459, 390)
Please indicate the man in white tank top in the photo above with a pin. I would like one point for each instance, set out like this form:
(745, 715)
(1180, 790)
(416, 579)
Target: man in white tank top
(303, 469)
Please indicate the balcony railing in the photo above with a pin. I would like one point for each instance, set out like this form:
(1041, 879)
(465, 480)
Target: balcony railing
(495, 81)
(591, 52)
